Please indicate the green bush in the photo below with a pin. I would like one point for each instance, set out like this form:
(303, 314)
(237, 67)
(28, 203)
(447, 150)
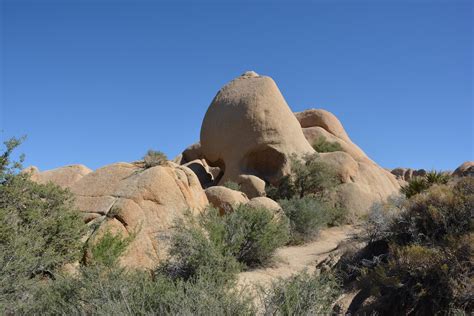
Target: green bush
(415, 186)
(441, 212)
(232, 185)
(154, 158)
(322, 145)
(251, 235)
(40, 231)
(195, 249)
(98, 290)
(307, 215)
(309, 176)
(381, 217)
(419, 257)
(107, 250)
(418, 185)
(423, 280)
(302, 294)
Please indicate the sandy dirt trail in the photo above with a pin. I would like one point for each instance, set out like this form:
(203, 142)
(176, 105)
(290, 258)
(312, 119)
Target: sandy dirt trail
(293, 259)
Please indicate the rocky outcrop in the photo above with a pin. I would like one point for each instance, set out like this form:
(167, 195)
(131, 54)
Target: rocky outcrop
(466, 169)
(225, 199)
(124, 198)
(266, 203)
(363, 182)
(249, 129)
(251, 185)
(192, 152)
(208, 176)
(64, 177)
(408, 174)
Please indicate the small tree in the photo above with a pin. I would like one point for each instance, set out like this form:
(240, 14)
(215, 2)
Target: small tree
(40, 231)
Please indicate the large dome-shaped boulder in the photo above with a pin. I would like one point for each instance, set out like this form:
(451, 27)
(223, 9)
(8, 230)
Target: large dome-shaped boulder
(128, 199)
(64, 177)
(363, 181)
(249, 129)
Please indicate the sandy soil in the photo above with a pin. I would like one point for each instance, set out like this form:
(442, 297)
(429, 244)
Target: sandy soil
(293, 259)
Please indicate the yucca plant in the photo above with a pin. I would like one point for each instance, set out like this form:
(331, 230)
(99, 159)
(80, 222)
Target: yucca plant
(415, 186)
(437, 177)
(420, 184)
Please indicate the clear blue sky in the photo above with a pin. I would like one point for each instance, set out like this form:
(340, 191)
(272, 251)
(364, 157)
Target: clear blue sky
(95, 82)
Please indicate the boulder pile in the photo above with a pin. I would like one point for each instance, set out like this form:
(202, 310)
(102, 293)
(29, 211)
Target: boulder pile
(247, 136)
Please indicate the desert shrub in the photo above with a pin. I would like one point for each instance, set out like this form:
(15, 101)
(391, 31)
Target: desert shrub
(154, 158)
(418, 185)
(40, 231)
(309, 176)
(195, 249)
(418, 256)
(98, 290)
(108, 248)
(414, 186)
(251, 235)
(423, 280)
(232, 185)
(437, 177)
(431, 217)
(322, 145)
(307, 215)
(302, 294)
(380, 218)
(197, 280)
(7, 166)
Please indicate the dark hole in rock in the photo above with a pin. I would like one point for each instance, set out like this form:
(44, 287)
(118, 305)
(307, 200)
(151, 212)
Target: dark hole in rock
(265, 162)
(204, 177)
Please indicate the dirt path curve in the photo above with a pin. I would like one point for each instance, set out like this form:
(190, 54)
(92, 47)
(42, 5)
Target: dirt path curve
(293, 259)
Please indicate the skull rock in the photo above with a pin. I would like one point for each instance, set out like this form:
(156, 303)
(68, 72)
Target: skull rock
(249, 129)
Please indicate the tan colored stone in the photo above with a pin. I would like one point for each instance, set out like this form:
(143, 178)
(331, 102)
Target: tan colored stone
(64, 177)
(315, 132)
(201, 169)
(346, 167)
(249, 129)
(225, 199)
(143, 202)
(324, 119)
(466, 169)
(251, 185)
(266, 203)
(360, 176)
(407, 174)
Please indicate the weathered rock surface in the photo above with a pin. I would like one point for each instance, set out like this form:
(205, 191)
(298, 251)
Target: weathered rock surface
(64, 177)
(225, 199)
(363, 181)
(264, 202)
(251, 185)
(249, 129)
(408, 174)
(125, 198)
(191, 153)
(202, 171)
(466, 169)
